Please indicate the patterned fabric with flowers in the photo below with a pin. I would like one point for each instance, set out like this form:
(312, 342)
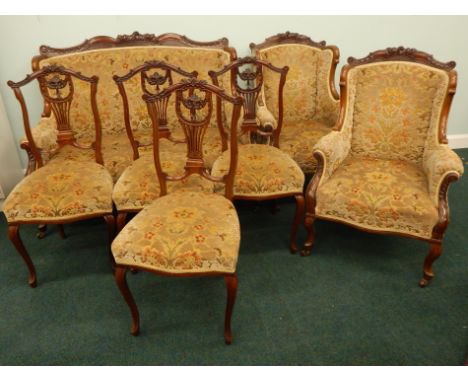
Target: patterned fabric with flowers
(65, 190)
(393, 109)
(105, 63)
(262, 170)
(139, 186)
(298, 141)
(379, 194)
(182, 232)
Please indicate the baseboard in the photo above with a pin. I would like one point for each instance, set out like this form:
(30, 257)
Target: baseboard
(458, 141)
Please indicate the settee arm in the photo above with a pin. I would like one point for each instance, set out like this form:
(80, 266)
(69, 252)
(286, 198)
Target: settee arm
(441, 166)
(45, 139)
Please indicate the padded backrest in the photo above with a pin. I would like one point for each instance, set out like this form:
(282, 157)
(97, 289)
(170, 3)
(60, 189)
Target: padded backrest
(307, 93)
(394, 104)
(105, 63)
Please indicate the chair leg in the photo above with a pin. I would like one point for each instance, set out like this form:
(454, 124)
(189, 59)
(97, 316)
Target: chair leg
(61, 231)
(231, 285)
(310, 240)
(41, 231)
(428, 274)
(14, 236)
(110, 221)
(297, 219)
(121, 220)
(121, 280)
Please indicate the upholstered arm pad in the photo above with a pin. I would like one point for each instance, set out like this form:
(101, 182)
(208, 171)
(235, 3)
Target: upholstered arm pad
(438, 163)
(264, 117)
(44, 134)
(334, 148)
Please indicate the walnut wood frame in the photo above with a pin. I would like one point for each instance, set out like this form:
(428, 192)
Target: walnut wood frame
(438, 231)
(107, 42)
(296, 38)
(251, 96)
(60, 107)
(249, 125)
(144, 80)
(193, 165)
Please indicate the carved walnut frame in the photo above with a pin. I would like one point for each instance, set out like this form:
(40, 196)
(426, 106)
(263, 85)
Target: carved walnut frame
(387, 55)
(155, 80)
(106, 42)
(194, 129)
(57, 89)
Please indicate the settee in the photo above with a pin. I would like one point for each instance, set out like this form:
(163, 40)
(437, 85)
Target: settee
(106, 57)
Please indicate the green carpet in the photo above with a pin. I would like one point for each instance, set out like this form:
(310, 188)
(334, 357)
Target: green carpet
(355, 301)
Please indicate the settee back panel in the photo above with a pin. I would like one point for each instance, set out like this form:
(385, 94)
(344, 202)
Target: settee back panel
(396, 109)
(307, 94)
(105, 63)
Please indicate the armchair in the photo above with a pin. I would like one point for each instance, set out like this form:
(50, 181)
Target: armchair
(311, 102)
(386, 168)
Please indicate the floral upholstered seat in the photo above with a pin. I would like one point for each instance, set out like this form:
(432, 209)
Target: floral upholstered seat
(311, 103)
(387, 167)
(62, 190)
(262, 171)
(139, 186)
(183, 232)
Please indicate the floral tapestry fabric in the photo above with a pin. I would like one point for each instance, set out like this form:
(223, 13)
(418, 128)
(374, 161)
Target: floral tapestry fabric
(261, 171)
(105, 63)
(139, 185)
(298, 140)
(182, 232)
(60, 191)
(393, 109)
(379, 194)
(306, 94)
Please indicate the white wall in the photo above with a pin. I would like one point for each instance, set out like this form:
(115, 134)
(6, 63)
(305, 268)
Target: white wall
(443, 36)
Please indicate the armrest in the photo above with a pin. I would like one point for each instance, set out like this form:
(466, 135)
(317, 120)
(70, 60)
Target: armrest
(44, 134)
(265, 117)
(438, 163)
(330, 151)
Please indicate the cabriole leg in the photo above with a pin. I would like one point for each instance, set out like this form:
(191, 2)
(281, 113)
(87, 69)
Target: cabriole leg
(309, 243)
(428, 274)
(14, 236)
(231, 286)
(297, 219)
(121, 280)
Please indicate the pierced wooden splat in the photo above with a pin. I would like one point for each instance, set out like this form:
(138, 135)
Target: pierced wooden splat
(155, 76)
(57, 89)
(247, 82)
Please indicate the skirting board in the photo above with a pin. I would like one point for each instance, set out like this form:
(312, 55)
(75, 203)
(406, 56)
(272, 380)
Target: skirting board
(456, 141)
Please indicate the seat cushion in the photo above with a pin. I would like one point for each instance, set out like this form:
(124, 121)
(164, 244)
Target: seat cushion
(262, 171)
(298, 141)
(61, 191)
(182, 232)
(380, 195)
(138, 186)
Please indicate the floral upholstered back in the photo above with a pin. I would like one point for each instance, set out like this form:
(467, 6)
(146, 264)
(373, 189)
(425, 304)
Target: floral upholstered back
(394, 104)
(105, 63)
(307, 94)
